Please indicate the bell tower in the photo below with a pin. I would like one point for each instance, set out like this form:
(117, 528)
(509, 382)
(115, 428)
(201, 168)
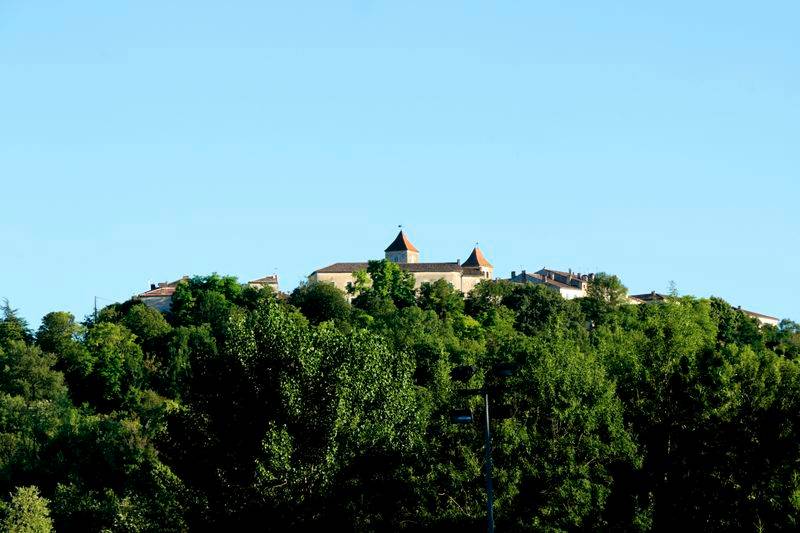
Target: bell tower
(401, 250)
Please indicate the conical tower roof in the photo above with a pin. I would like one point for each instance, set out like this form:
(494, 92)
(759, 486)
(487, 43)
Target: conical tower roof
(476, 259)
(401, 244)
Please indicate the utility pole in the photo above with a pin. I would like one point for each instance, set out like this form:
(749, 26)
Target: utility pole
(95, 305)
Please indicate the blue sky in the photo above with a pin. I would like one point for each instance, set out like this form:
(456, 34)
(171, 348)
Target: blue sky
(140, 141)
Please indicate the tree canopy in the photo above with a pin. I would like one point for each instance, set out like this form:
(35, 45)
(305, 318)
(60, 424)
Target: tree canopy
(332, 410)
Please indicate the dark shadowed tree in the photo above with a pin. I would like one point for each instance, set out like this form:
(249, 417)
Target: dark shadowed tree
(28, 372)
(442, 298)
(487, 295)
(320, 302)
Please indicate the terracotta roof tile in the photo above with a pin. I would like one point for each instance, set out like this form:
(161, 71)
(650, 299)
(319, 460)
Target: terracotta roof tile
(167, 290)
(476, 258)
(163, 289)
(401, 244)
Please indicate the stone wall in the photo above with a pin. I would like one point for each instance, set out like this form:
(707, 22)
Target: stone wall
(339, 279)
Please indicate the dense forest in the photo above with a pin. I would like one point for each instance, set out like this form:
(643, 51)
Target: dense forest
(321, 410)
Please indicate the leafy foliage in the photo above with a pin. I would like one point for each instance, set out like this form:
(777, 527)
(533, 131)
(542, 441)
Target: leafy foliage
(320, 302)
(240, 407)
(27, 512)
(390, 286)
(12, 326)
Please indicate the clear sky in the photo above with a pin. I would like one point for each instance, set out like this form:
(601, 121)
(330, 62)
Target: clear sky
(140, 141)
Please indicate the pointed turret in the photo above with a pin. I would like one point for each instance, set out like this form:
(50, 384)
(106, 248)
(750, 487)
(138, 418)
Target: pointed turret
(477, 259)
(477, 265)
(401, 250)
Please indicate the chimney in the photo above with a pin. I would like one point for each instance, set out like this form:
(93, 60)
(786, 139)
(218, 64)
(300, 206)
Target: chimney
(152, 286)
(513, 274)
(523, 273)
(458, 261)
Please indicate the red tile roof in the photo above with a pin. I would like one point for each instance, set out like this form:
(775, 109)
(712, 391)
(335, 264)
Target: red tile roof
(401, 244)
(166, 290)
(163, 289)
(476, 258)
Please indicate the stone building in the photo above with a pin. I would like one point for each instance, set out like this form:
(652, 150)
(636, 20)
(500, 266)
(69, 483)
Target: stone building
(462, 276)
(159, 297)
(764, 320)
(567, 284)
(266, 281)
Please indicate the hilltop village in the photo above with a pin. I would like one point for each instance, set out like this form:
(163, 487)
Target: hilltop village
(462, 276)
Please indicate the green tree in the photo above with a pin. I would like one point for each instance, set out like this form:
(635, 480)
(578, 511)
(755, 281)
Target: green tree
(113, 364)
(320, 302)
(538, 307)
(346, 415)
(28, 512)
(390, 284)
(487, 295)
(559, 450)
(207, 299)
(332, 405)
(146, 323)
(441, 297)
(58, 333)
(784, 339)
(733, 325)
(184, 343)
(607, 288)
(61, 336)
(27, 372)
(604, 299)
(239, 406)
(12, 326)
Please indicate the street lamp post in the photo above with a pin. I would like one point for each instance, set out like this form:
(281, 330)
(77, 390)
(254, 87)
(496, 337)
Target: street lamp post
(487, 458)
(464, 416)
